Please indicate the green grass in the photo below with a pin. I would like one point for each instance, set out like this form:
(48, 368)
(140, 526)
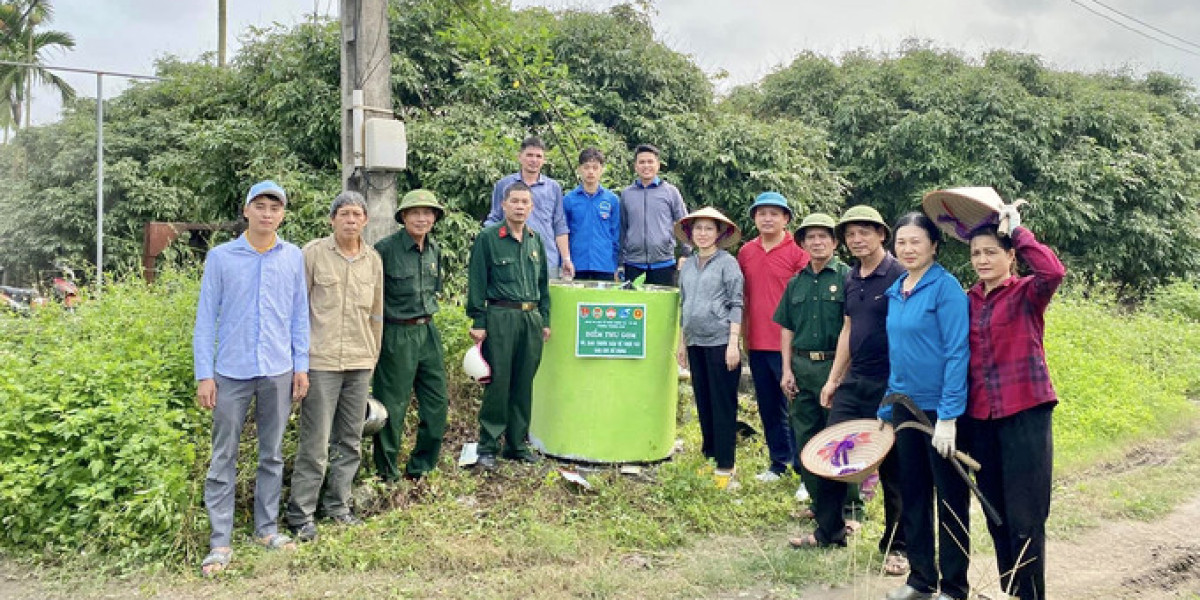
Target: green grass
(1125, 449)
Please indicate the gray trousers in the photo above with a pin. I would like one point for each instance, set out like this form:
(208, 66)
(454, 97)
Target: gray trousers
(272, 405)
(329, 451)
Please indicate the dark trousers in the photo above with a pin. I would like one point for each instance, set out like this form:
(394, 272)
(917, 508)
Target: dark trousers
(513, 348)
(659, 276)
(924, 473)
(715, 388)
(858, 398)
(1017, 455)
(766, 368)
(595, 276)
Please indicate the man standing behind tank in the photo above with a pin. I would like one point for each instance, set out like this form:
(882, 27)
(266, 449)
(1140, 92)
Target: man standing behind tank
(768, 262)
(548, 218)
(412, 348)
(508, 301)
(810, 314)
(345, 302)
(594, 216)
(650, 207)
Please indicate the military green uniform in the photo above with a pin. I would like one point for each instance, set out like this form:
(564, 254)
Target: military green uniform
(411, 355)
(811, 308)
(509, 297)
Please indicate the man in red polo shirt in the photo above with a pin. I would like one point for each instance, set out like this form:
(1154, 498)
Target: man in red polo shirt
(768, 262)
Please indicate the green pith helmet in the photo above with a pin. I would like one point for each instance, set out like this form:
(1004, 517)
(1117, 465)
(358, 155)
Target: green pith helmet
(815, 220)
(417, 199)
(861, 214)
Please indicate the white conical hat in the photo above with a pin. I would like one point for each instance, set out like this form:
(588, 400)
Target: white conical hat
(961, 211)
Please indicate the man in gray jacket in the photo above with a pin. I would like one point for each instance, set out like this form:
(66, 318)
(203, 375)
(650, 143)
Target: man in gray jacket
(649, 209)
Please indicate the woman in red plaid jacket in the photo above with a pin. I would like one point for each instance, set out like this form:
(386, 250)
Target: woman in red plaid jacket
(1011, 399)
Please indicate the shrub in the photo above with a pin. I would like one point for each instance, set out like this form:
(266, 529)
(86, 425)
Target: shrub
(96, 424)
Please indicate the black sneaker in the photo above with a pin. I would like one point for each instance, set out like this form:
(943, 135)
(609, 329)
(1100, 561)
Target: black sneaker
(304, 533)
(487, 462)
(348, 519)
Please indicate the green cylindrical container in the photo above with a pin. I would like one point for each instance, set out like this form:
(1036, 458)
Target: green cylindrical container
(608, 383)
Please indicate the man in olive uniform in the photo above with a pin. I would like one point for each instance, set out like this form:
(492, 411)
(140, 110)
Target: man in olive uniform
(411, 357)
(508, 301)
(810, 314)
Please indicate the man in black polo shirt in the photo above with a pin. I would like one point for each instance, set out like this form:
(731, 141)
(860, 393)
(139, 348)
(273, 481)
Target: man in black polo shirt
(858, 379)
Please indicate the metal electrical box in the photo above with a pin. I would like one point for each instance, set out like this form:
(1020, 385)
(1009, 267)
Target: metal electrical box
(385, 145)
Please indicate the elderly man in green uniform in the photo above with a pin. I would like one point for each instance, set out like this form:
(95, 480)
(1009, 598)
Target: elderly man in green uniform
(412, 348)
(508, 301)
(810, 313)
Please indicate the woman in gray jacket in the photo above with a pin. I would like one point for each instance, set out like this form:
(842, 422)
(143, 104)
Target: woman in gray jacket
(710, 287)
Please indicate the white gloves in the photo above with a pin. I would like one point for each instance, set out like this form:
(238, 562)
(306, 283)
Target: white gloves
(1010, 218)
(943, 437)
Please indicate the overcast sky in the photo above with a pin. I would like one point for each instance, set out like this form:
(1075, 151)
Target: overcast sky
(745, 38)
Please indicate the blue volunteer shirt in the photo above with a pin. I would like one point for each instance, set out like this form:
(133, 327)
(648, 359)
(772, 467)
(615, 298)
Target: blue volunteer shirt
(927, 334)
(253, 312)
(547, 218)
(595, 224)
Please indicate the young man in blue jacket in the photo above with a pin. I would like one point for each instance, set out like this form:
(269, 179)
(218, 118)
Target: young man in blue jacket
(594, 218)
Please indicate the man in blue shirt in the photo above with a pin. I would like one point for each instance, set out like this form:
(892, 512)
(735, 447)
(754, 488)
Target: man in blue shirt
(250, 342)
(548, 218)
(594, 218)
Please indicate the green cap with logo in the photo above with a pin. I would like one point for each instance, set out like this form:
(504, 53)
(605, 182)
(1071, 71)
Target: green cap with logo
(861, 214)
(419, 199)
(815, 220)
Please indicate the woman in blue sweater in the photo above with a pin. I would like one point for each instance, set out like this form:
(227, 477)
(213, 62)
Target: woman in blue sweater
(927, 327)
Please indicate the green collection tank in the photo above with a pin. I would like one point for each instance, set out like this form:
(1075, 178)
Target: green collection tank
(608, 384)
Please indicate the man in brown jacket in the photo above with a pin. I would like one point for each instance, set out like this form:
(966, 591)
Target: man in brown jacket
(345, 297)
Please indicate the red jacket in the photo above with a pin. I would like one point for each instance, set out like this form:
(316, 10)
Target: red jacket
(1008, 372)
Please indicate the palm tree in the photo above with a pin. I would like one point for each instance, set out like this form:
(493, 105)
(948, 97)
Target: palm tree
(20, 41)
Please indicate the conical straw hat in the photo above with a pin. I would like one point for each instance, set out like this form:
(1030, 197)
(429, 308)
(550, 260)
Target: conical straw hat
(848, 451)
(959, 212)
(729, 235)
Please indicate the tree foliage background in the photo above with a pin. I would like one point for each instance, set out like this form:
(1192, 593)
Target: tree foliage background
(1109, 161)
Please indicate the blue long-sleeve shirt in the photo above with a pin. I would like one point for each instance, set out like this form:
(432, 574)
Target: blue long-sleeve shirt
(252, 316)
(928, 349)
(595, 224)
(547, 218)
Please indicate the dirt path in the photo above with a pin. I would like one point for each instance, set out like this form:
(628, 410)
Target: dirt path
(1120, 559)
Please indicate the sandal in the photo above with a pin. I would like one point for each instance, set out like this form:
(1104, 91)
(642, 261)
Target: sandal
(276, 541)
(852, 526)
(215, 562)
(895, 564)
(807, 540)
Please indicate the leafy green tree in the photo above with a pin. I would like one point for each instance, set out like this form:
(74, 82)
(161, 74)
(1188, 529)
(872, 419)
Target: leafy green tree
(1108, 161)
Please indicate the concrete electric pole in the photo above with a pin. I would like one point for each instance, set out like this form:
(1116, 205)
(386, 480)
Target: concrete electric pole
(366, 94)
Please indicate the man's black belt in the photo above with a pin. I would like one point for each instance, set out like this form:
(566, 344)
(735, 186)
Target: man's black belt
(421, 320)
(525, 306)
(817, 356)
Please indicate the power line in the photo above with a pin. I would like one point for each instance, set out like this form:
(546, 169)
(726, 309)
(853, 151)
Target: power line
(1133, 29)
(1141, 22)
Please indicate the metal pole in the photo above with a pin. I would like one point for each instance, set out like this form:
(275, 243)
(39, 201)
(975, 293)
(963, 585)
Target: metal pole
(99, 182)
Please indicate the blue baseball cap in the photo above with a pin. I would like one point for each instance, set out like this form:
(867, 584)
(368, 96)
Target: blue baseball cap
(267, 188)
(771, 199)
